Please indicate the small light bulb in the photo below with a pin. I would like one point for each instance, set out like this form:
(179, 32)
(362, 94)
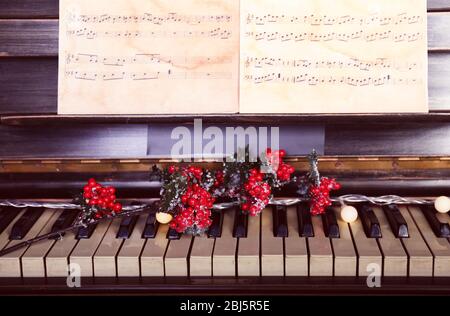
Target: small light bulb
(163, 218)
(442, 204)
(349, 214)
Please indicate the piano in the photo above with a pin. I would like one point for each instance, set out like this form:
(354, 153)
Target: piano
(45, 157)
(284, 250)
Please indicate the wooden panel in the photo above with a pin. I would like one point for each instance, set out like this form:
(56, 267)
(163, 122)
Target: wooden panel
(28, 85)
(438, 83)
(388, 139)
(83, 141)
(29, 8)
(438, 5)
(438, 31)
(28, 37)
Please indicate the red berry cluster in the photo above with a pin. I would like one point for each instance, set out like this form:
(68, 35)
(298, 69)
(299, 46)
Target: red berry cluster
(172, 169)
(195, 210)
(284, 171)
(103, 198)
(219, 178)
(193, 207)
(191, 172)
(257, 193)
(320, 195)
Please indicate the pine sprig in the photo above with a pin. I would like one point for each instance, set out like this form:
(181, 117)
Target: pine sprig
(175, 185)
(314, 174)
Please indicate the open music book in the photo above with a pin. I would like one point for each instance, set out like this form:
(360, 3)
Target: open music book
(247, 56)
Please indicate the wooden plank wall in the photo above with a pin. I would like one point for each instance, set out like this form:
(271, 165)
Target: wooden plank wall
(28, 85)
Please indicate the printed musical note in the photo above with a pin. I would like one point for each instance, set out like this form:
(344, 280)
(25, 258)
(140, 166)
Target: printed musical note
(333, 36)
(379, 63)
(142, 75)
(215, 33)
(170, 18)
(318, 20)
(315, 80)
(142, 59)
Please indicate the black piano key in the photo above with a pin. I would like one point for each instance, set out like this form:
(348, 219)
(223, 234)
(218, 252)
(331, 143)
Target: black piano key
(86, 232)
(440, 229)
(369, 221)
(280, 228)
(151, 225)
(25, 222)
(305, 227)
(6, 217)
(126, 226)
(65, 220)
(240, 224)
(330, 224)
(172, 234)
(215, 230)
(398, 224)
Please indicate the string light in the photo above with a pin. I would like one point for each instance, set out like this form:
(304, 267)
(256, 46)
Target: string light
(350, 198)
(349, 213)
(163, 218)
(442, 204)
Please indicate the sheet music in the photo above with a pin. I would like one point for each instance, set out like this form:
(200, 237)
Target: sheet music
(333, 56)
(148, 56)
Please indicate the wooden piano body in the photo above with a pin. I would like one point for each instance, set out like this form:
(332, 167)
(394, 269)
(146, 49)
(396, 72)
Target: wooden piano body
(49, 157)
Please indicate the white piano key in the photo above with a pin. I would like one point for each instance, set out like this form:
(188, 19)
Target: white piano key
(200, 260)
(83, 253)
(152, 257)
(248, 249)
(367, 248)
(272, 252)
(105, 256)
(321, 254)
(33, 260)
(4, 236)
(419, 256)
(440, 247)
(296, 250)
(177, 255)
(345, 259)
(57, 260)
(128, 261)
(224, 256)
(10, 263)
(395, 259)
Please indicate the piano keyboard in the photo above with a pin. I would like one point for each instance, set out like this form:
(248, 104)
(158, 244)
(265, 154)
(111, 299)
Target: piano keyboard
(283, 241)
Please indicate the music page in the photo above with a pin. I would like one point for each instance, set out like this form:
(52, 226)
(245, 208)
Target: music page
(333, 56)
(148, 56)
